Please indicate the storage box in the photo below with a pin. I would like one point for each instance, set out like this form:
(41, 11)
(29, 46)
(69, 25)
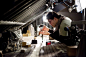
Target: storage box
(29, 34)
(23, 44)
(28, 31)
(28, 46)
(71, 50)
(26, 35)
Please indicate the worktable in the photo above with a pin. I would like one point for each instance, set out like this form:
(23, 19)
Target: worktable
(34, 51)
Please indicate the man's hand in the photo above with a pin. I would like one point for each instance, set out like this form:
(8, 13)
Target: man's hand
(45, 28)
(44, 33)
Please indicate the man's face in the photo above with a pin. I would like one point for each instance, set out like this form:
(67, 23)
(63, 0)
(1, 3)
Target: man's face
(52, 22)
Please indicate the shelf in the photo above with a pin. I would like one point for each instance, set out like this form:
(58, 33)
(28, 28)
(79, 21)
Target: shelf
(79, 22)
(11, 23)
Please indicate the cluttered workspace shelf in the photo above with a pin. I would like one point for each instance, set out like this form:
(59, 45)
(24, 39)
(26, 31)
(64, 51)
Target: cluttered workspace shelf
(39, 48)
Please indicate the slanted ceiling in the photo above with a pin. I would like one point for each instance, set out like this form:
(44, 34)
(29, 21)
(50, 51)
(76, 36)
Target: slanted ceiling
(23, 11)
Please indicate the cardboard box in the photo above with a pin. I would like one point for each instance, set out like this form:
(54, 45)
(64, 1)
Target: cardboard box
(25, 35)
(28, 46)
(28, 31)
(29, 34)
(71, 50)
(23, 44)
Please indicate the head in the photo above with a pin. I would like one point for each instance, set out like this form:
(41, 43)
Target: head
(53, 18)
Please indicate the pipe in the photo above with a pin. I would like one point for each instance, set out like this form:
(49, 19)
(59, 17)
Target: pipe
(84, 20)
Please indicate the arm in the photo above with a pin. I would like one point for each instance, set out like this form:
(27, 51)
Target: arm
(46, 31)
(55, 35)
(62, 39)
(50, 31)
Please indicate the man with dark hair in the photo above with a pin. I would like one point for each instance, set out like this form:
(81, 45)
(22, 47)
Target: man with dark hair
(58, 22)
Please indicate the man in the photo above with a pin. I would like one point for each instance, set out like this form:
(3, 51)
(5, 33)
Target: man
(58, 22)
